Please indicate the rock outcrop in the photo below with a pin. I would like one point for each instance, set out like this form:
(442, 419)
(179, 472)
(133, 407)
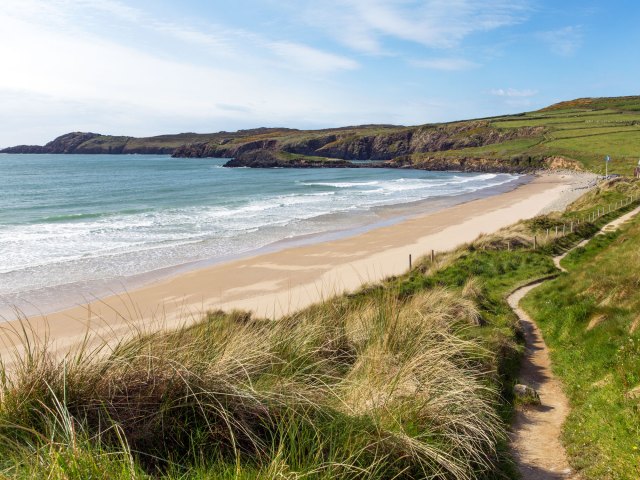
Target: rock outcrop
(388, 144)
(261, 158)
(515, 164)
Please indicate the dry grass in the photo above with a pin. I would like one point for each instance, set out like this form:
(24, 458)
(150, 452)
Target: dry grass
(367, 388)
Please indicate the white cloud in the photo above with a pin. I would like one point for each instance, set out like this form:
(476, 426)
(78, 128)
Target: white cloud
(521, 99)
(112, 7)
(363, 24)
(309, 58)
(513, 93)
(55, 58)
(445, 64)
(564, 41)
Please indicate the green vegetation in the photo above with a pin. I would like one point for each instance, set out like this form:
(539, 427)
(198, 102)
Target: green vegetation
(578, 134)
(410, 378)
(368, 386)
(590, 319)
(575, 134)
(586, 130)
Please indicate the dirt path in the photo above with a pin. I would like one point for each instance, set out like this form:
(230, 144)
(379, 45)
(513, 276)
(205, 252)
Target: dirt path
(535, 440)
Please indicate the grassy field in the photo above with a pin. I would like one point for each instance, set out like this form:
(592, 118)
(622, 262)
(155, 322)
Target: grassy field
(410, 378)
(584, 130)
(590, 320)
(587, 131)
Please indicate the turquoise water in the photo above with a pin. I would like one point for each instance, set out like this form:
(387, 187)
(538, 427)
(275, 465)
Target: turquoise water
(85, 223)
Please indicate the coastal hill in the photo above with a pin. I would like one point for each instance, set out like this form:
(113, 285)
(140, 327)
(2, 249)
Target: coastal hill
(575, 134)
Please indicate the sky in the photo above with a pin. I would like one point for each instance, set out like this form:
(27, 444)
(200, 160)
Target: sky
(148, 67)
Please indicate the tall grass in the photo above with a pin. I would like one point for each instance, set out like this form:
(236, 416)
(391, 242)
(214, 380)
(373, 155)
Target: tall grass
(373, 388)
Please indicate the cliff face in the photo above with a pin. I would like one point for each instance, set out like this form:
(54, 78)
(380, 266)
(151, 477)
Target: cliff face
(516, 164)
(385, 145)
(223, 149)
(399, 147)
(261, 158)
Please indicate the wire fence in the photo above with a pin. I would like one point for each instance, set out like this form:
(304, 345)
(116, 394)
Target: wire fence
(568, 227)
(560, 230)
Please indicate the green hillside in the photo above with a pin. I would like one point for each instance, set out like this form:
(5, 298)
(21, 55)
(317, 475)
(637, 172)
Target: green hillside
(573, 134)
(585, 130)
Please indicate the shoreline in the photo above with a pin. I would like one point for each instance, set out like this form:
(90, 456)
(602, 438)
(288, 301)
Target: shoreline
(49, 300)
(280, 282)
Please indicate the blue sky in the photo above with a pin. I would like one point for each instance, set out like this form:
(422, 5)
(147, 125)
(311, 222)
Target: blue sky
(145, 67)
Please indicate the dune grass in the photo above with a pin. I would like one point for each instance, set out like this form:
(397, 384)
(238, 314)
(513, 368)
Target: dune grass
(373, 387)
(409, 378)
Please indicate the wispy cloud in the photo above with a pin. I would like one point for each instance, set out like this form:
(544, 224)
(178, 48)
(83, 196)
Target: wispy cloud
(515, 98)
(564, 41)
(151, 70)
(363, 25)
(513, 93)
(308, 58)
(445, 64)
(217, 39)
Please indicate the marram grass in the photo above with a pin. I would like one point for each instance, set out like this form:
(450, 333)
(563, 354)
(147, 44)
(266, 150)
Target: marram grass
(378, 388)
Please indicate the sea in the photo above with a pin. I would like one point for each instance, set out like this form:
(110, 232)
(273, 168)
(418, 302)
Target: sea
(77, 227)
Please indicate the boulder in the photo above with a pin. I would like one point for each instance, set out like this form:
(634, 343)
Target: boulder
(526, 395)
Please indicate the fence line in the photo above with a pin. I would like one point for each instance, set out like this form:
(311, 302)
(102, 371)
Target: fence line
(589, 218)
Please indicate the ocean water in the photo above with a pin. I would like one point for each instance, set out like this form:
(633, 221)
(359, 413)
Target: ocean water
(84, 225)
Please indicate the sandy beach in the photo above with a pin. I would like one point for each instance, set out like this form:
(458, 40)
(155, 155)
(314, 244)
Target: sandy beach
(277, 283)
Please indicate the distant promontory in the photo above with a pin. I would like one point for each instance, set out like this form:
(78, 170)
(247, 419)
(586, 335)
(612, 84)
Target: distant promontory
(559, 136)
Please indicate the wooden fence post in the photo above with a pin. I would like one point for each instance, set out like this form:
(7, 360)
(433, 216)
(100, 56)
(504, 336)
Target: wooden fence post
(409, 262)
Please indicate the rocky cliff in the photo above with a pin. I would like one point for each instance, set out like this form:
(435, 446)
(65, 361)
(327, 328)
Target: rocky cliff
(399, 147)
(388, 144)
(261, 158)
(515, 164)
